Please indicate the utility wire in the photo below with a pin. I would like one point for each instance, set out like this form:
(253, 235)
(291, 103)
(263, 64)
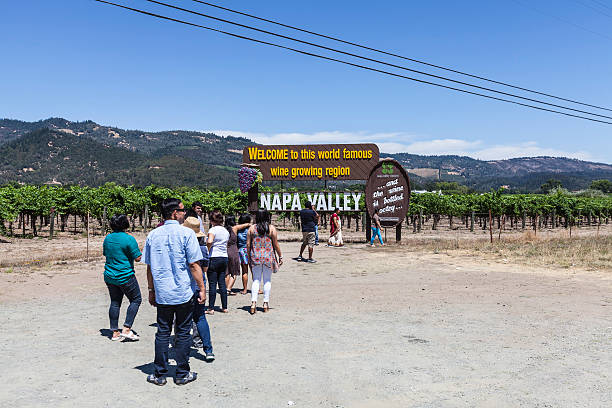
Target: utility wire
(594, 8)
(563, 20)
(602, 4)
(375, 60)
(348, 63)
(403, 57)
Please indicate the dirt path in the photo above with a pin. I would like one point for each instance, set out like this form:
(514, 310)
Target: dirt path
(363, 327)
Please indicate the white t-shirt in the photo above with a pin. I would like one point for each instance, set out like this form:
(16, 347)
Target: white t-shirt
(219, 246)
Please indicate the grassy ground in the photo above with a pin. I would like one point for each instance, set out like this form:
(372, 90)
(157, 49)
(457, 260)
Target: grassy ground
(590, 252)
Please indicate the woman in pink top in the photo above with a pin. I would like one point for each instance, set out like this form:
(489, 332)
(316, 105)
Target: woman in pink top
(263, 250)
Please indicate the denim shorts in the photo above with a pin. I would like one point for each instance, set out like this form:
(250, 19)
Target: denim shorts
(242, 254)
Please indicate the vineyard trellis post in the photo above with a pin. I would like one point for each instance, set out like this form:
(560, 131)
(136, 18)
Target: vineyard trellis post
(87, 225)
(472, 221)
(146, 217)
(52, 223)
(490, 225)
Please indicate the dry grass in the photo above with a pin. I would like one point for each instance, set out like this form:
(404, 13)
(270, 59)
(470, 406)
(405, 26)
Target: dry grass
(590, 252)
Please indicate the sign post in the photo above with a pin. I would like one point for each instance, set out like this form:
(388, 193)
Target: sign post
(388, 191)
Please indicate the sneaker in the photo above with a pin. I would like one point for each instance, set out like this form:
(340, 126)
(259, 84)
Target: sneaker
(197, 344)
(210, 357)
(310, 260)
(156, 380)
(299, 259)
(186, 380)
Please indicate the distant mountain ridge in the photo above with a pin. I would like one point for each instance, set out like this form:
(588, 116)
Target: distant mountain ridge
(204, 159)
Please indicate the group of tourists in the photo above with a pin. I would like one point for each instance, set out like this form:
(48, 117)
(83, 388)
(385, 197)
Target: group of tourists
(180, 258)
(185, 265)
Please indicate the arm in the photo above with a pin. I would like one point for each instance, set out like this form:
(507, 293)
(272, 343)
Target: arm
(249, 244)
(209, 241)
(196, 272)
(275, 244)
(240, 227)
(151, 286)
(317, 217)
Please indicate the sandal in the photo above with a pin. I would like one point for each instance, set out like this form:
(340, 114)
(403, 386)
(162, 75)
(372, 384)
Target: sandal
(130, 336)
(253, 308)
(266, 307)
(210, 311)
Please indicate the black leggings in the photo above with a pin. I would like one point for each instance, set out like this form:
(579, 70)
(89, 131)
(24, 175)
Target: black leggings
(216, 275)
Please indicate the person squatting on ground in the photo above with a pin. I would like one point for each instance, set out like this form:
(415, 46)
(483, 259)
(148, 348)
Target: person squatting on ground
(335, 233)
(217, 248)
(376, 228)
(233, 258)
(243, 254)
(263, 248)
(309, 219)
(200, 328)
(172, 254)
(121, 251)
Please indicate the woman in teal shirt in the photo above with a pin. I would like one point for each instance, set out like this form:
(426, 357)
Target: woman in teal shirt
(121, 250)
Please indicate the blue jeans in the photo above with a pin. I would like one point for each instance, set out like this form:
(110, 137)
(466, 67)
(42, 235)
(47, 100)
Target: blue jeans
(216, 275)
(166, 315)
(316, 234)
(375, 233)
(131, 290)
(199, 318)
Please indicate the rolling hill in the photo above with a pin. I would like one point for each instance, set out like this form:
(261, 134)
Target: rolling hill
(88, 153)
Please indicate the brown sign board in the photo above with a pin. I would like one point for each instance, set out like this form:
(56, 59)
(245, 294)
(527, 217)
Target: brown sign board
(388, 190)
(313, 162)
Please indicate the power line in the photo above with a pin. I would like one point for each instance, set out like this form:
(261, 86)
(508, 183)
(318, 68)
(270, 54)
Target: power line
(348, 63)
(594, 8)
(407, 58)
(602, 4)
(375, 60)
(563, 20)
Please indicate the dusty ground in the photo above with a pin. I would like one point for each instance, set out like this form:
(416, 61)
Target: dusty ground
(363, 327)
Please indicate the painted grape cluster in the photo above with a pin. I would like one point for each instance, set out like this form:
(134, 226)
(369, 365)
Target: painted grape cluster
(247, 177)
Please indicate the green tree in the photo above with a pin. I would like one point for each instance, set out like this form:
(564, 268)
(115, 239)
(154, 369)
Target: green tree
(550, 185)
(602, 185)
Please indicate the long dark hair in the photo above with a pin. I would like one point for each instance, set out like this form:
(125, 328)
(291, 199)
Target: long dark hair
(230, 221)
(262, 220)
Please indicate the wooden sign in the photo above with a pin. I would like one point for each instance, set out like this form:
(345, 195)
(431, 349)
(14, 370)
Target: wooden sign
(388, 190)
(313, 162)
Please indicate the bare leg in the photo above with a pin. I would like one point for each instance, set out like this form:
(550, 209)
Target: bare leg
(302, 248)
(310, 249)
(245, 278)
(229, 282)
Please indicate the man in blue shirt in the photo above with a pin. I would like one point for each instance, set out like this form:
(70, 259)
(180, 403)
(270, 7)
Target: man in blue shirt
(171, 253)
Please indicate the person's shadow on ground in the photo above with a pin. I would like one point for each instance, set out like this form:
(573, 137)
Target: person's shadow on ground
(108, 333)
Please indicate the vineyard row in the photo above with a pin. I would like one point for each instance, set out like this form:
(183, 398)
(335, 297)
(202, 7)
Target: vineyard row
(30, 205)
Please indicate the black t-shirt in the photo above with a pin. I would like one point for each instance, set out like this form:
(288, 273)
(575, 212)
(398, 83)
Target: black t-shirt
(308, 218)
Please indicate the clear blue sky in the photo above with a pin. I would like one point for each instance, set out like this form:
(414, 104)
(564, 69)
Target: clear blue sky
(80, 60)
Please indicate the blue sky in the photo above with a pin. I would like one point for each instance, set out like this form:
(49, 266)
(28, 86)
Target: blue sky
(80, 60)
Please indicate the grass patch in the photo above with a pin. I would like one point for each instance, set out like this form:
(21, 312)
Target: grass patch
(594, 252)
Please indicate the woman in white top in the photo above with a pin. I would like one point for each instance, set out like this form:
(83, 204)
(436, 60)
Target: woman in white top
(217, 248)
